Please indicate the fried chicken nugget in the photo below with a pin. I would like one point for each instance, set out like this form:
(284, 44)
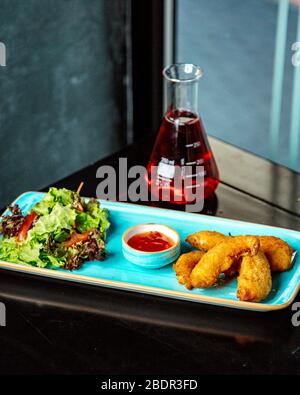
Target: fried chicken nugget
(205, 240)
(278, 252)
(254, 279)
(184, 266)
(220, 258)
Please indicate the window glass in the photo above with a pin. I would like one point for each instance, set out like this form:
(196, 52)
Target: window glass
(235, 43)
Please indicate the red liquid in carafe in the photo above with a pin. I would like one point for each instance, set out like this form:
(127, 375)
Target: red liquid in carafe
(182, 141)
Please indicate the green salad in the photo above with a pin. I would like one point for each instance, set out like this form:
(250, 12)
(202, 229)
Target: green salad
(62, 230)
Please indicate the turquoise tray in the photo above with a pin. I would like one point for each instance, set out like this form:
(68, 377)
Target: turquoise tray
(116, 272)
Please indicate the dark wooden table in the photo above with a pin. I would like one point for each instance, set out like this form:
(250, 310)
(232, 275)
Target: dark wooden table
(57, 327)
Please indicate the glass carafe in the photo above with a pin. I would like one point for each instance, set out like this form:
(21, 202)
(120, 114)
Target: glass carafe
(181, 140)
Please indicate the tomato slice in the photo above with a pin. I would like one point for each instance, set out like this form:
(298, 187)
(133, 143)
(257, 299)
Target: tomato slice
(76, 238)
(26, 225)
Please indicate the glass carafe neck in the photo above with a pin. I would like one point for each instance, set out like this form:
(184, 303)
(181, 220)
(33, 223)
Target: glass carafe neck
(181, 88)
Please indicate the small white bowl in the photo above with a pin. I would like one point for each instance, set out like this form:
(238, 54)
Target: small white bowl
(151, 260)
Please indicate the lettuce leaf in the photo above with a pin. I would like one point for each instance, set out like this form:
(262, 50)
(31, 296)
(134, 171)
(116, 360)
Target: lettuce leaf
(28, 252)
(54, 195)
(52, 260)
(85, 222)
(45, 206)
(9, 250)
(61, 217)
(101, 214)
(63, 196)
(61, 235)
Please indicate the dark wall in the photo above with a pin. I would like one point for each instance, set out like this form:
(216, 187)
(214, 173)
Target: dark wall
(62, 93)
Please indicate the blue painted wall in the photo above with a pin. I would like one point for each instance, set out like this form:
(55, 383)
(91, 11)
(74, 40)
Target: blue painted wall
(62, 93)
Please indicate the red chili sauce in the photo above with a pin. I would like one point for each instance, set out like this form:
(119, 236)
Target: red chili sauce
(150, 241)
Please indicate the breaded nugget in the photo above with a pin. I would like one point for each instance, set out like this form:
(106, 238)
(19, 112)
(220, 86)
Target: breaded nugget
(254, 279)
(278, 252)
(220, 258)
(184, 266)
(205, 240)
(234, 269)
